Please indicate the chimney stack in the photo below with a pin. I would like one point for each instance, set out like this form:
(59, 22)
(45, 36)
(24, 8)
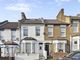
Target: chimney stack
(78, 15)
(23, 17)
(60, 15)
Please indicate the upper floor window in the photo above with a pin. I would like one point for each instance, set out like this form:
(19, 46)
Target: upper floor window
(37, 30)
(63, 30)
(1, 34)
(50, 30)
(13, 34)
(75, 26)
(25, 31)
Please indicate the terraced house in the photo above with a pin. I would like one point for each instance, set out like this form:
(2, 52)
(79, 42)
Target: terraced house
(40, 38)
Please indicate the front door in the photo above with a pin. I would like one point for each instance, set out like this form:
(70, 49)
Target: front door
(0, 52)
(40, 48)
(47, 49)
(75, 45)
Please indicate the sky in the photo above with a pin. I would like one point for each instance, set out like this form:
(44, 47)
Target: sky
(48, 9)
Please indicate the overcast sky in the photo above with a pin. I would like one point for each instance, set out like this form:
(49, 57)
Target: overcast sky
(11, 9)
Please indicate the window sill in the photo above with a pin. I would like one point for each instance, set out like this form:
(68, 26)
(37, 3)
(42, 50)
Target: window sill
(50, 36)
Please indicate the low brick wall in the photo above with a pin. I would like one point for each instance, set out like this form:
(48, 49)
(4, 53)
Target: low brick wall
(58, 55)
(6, 58)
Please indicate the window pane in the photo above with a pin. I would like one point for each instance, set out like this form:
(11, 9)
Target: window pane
(37, 30)
(25, 31)
(28, 47)
(63, 34)
(50, 30)
(33, 48)
(1, 34)
(13, 34)
(75, 26)
(63, 30)
(60, 47)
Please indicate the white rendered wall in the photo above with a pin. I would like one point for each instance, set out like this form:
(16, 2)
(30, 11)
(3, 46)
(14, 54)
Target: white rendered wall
(27, 57)
(31, 31)
(6, 33)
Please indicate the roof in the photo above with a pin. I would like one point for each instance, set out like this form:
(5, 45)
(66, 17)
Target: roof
(10, 43)
(75, 17)
(25, 20)
(54, 22)
(29, 38)
(32, 21)
(41, 21)
(9, 25)
(75, 34)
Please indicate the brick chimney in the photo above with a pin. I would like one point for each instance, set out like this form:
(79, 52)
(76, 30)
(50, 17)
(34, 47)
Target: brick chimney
(60, 15)
(78, 15)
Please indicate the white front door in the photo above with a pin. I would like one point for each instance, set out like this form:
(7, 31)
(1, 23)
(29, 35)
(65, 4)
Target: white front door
(41, 48)
(74, 45)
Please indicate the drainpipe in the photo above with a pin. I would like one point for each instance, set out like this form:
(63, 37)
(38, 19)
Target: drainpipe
(20, 35)
(70, 43)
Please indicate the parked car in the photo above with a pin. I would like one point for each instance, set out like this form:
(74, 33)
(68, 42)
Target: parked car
(71, 56)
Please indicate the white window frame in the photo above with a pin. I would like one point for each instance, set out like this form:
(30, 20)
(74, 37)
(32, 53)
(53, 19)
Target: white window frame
(26, 28)
(13, 34)
(60, 47)
(50, 30)
(28, 47)
(56, 42)
(63, 30)
(75, 27)
(37, 30)
(1, 34)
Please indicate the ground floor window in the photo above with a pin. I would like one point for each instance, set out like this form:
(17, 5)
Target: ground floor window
(8, 51)
(60, 47)
(28, 48)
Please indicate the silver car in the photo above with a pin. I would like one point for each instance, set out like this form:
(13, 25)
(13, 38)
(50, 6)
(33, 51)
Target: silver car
(71, 56)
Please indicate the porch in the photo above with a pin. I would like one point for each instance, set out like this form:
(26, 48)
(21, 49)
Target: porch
(7, 50)
(31, 49)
